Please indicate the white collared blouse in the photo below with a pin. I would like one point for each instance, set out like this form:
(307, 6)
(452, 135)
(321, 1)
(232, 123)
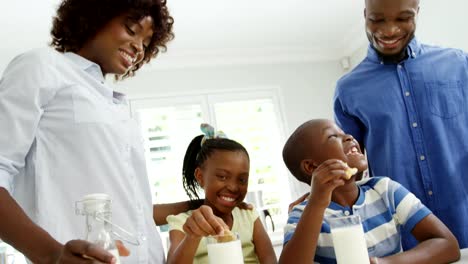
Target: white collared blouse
(65, 134)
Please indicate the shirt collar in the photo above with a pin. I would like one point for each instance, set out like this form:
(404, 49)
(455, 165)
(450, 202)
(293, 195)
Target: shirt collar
(359, 201)
(119, 98)
(94, 70)
(413, 50)
(88, 66)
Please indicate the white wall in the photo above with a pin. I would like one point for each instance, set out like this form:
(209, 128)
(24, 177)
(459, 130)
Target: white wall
(441, 23)
(306, 89)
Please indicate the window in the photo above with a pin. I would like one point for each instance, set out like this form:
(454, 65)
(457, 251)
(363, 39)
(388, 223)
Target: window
(167, 133)
(251, 118)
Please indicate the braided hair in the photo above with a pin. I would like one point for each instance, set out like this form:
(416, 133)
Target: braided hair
(195, 157)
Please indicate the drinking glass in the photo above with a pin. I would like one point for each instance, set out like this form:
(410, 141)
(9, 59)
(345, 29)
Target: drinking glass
(348, 239)
(226, 249)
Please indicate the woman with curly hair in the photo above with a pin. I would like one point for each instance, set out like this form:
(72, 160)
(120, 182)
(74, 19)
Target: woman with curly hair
(66, 133)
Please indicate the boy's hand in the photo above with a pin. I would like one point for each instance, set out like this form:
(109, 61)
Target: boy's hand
(325, 178)
(203, 222)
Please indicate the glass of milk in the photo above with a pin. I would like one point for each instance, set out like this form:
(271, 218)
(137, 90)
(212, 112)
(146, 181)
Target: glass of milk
(226, 249)
(348, 239)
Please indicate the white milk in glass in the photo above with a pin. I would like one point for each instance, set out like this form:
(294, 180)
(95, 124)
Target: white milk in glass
(225, 253)
(350, 245)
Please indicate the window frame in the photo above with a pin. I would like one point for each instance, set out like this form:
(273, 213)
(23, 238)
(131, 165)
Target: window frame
(207, 100)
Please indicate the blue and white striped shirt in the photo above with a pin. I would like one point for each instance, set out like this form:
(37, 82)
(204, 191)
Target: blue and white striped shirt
(384, 207)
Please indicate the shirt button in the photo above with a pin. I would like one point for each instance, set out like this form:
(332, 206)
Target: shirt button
(407, 94)
(429, 192)
(422, 157)
(346, 213)
(399, 66)
(415, 124)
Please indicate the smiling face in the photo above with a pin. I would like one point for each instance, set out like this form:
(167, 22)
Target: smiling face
(390, 25)
(327, 141)
(224, 176)
(119, 45)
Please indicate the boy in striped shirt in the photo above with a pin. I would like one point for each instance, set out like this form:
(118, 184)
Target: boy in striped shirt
(319, 153)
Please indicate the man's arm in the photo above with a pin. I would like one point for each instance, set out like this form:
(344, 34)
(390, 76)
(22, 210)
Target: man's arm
(347, 121)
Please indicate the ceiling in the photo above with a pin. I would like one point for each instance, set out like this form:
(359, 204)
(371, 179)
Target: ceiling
(213, 32)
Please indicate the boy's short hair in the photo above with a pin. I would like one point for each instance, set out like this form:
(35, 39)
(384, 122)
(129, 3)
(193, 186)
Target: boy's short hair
(77, 21)
(295, 150)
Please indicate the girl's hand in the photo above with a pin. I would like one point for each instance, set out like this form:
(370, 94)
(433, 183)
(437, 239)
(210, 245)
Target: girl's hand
(325, 178)
(203, 222)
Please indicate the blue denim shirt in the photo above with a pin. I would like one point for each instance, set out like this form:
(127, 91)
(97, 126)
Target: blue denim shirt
(412, 119)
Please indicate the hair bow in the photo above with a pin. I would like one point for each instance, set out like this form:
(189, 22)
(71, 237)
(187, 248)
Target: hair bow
(210, 133)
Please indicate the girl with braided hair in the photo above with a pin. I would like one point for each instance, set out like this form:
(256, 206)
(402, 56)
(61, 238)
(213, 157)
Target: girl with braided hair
(220, 167)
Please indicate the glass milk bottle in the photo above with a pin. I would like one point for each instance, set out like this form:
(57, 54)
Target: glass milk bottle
(97, 210)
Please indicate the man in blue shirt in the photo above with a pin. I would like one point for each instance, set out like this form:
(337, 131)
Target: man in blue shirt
(406, 103)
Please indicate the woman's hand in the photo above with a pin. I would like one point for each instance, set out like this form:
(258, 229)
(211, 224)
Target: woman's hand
(81, 251)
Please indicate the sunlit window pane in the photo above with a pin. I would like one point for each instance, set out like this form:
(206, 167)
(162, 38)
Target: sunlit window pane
(254, 124)
(167, 132)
